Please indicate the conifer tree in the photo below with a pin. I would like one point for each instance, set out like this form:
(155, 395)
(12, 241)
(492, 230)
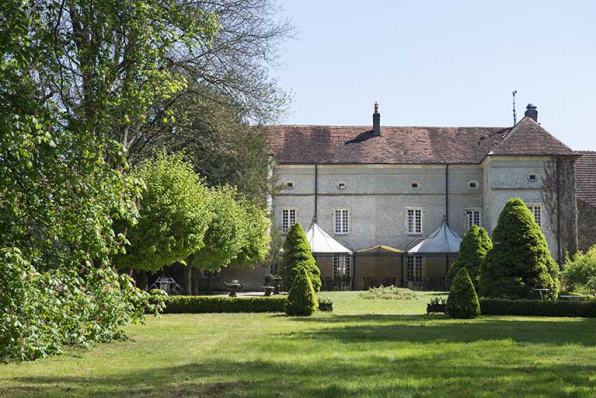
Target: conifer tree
(297, 253)
(302, 299)
(473, 249)
(519, 260)
(463, 302)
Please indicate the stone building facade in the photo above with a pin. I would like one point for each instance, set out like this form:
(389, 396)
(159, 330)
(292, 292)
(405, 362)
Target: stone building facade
(586, 199)
(395, 185)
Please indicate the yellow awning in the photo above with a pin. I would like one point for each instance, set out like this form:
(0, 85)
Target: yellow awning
(381, 247)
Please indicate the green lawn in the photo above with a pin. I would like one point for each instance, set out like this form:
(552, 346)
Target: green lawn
(365, 348)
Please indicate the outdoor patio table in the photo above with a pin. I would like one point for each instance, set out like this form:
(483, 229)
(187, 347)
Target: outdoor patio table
(571, 297)
(542, 291)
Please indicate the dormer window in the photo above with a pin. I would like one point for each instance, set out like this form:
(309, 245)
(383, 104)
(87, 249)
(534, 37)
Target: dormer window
(532, 177)
(415, 184)
(473, 185)
(290, 184)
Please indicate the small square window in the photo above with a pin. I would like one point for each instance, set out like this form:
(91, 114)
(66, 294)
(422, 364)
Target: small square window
(415, 185)
(341, 185)
(533, 177)
(473, 185)
(290, 184)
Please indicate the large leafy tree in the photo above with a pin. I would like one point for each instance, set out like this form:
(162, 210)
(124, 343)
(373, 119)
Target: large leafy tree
(473, 249)
(217, 140)
(256, 244)
(77, 78)
(227, 232)
(175, 213)
(238, 234)
(519, 260)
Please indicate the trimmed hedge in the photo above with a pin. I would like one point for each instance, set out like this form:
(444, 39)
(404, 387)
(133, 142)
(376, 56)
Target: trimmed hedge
(463, 301)
(205, 304)
(302, 299)
(538, 308)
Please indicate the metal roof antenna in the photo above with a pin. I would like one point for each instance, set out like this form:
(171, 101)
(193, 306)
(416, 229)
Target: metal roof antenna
(514, 113)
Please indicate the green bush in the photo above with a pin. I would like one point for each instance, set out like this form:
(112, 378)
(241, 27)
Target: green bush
(40, 312)
(584, 309)
(204, 304)
(579, 272)
(297, 253)
(463, 301)
(519, 260)
(473, 249)
(391, 293)
(302, 299)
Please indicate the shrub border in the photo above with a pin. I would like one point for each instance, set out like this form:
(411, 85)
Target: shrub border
(538, 308)
(207, 304)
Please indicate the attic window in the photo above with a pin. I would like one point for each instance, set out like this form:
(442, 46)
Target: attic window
(415, 184)
(341, 185)
(290, 184)
(473, 185)
(533, 177)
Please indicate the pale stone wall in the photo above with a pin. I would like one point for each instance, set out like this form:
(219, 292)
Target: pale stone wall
(507, 177)
(377, 197)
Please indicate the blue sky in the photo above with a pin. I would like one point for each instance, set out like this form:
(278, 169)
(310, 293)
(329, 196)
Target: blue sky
(443, 63)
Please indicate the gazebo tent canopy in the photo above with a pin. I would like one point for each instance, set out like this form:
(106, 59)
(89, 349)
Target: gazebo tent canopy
(321, 243)
(380, 249)
(443, 241)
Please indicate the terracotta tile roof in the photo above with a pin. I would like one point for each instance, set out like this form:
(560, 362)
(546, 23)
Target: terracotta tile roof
(407, 145)
(395, 145)
(529, 138)
(585, 174)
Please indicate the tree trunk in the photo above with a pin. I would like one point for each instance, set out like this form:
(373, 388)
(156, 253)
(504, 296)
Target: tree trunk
(195, 277)
(142, 280)
(188, 280)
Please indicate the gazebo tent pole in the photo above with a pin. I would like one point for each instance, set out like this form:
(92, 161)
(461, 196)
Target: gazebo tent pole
(354, 285)
(403, 272)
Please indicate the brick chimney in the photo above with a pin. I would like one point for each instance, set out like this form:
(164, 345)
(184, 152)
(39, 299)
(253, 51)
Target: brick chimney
(532, 112)
(376, 121)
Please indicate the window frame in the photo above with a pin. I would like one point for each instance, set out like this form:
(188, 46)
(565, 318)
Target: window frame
(342, 262)
(416, 263)
(473, 182)
(348, 221)
(532, 207)
(414, 232)
(289, 209)
(467, 220)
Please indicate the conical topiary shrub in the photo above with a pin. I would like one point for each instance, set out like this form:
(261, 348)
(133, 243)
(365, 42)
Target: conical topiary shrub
(473, 249)
(463, 302)
(297, 251)
(519, 260)
(302, 299)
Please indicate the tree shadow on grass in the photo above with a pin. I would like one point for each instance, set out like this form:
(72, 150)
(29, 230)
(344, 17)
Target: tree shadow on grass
(425, 376)
(440, 328)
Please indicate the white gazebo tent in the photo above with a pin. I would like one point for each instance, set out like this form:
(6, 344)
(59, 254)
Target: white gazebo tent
(442, 242)
(323, 245)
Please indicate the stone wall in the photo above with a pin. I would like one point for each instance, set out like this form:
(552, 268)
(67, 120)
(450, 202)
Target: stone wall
(378, 196)
(586, 225)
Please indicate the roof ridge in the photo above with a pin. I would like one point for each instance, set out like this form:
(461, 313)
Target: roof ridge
(387, 127)
(527, 121)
